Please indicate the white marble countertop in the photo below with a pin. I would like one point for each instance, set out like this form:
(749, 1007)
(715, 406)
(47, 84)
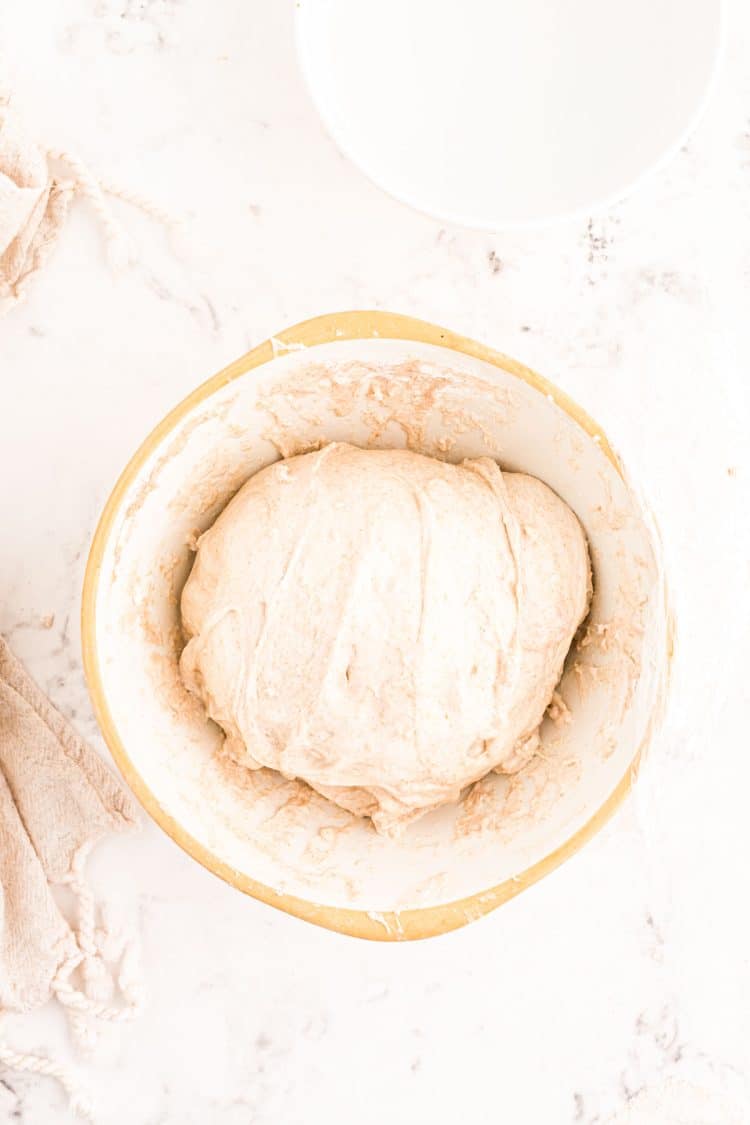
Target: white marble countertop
(619, 987)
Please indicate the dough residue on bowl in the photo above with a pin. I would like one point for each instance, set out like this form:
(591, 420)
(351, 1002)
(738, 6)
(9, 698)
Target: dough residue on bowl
(385, 626)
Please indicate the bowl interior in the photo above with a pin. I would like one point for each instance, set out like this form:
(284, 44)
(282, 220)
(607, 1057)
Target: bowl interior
(256, 826)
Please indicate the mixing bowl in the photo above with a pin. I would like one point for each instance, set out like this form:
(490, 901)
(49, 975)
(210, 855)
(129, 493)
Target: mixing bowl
(371, 378)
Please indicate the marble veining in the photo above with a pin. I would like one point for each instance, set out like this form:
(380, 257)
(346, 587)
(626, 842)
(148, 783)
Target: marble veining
(618, 989)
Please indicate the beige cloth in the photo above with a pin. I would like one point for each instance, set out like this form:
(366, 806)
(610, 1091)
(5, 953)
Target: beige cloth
(57, 799)
(33, 206)
(34, 202)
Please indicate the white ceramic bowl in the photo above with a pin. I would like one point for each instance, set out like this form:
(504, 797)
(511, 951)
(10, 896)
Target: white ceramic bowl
(495, 113)
(370, 377)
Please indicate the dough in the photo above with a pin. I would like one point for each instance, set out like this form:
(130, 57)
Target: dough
(385, 626)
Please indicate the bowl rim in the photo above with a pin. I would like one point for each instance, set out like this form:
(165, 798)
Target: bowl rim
(418, 922)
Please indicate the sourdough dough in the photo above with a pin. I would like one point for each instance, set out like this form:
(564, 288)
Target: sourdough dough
(385, 626)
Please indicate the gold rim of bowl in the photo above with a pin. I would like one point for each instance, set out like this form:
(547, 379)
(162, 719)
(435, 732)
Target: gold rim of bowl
(401, 925)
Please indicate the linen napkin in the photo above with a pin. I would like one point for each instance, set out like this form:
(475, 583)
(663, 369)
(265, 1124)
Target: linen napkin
(57, 799)
(33, 207)
(34, 203)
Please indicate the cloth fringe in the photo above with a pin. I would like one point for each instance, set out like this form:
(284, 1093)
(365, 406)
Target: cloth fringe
(91, 1007)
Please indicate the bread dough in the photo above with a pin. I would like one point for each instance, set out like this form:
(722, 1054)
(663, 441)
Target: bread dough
(385, 626)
